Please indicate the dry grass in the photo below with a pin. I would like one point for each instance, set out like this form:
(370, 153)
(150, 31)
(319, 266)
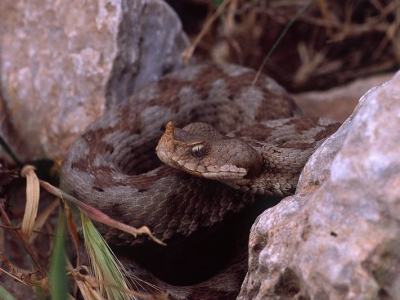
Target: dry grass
(104, 278)
(331, 43)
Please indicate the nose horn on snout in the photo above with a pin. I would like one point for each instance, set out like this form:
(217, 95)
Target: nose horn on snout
(169, 129)
(167, 139)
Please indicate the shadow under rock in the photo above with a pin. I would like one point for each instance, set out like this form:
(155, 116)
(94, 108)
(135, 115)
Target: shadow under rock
(193, 259)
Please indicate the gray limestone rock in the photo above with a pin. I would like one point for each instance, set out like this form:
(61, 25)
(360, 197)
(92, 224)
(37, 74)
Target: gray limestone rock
(62, 63)
(338, 237)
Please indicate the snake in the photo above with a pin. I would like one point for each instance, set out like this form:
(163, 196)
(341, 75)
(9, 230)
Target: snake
(188, 150)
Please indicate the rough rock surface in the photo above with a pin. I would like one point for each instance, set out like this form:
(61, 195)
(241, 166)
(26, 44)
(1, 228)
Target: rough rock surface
(63, 62)
(338, 237)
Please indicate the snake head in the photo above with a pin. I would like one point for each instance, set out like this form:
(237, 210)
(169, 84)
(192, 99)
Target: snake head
(200, 150)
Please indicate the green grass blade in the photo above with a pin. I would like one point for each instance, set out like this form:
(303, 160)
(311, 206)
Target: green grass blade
(5, 295)
(217, 3)
(58, 279)
(105, 266)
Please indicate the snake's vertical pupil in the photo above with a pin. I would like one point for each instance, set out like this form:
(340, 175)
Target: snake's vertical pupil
(198, 150)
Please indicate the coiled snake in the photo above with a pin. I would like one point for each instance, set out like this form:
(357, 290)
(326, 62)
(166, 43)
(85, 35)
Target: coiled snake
(230, 138)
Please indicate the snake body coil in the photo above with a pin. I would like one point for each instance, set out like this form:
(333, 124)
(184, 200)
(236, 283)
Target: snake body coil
(258, 144)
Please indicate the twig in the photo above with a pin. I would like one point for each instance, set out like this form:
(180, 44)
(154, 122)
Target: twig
(42, 218)
(187, 54)
(25, 277)
(17, 227)
(28, 248)
(72, 229)
(327, 16)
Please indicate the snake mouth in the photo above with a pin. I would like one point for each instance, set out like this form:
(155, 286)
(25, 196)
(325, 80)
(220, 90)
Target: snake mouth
(227, 171)
(220, 175)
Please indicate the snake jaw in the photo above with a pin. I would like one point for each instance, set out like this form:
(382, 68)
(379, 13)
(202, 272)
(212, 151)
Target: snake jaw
(225, 172)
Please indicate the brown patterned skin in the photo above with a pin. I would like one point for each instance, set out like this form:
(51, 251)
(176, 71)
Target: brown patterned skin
(265, 158)
(114, 167)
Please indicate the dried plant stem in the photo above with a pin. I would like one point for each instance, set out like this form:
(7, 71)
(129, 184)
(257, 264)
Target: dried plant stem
(188, 53)
(19, 236)
(73, 232)
(42, 219)
(97, 215)
(22, 276)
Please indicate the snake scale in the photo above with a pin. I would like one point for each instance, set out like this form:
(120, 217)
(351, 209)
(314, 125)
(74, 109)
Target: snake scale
(230, 138)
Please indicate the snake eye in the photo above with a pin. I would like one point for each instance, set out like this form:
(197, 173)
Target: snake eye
(198, 150)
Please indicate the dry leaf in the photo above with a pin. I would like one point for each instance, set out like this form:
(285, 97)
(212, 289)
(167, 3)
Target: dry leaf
(32, 200)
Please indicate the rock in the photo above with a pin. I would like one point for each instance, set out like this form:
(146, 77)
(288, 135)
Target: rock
(337, 103)
(62, 63)
(338, 236)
